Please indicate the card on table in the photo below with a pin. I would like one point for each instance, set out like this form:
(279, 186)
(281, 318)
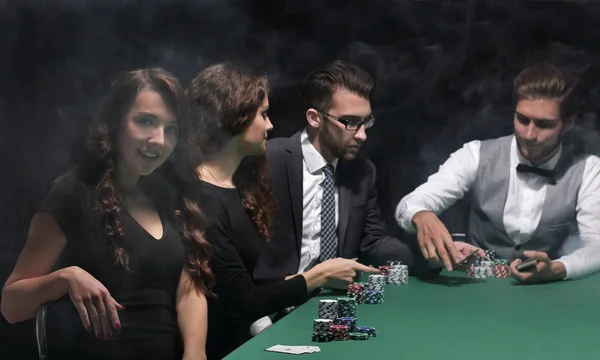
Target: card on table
(296, 350)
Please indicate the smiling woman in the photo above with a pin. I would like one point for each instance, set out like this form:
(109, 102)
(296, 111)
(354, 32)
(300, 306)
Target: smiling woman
(116, 241)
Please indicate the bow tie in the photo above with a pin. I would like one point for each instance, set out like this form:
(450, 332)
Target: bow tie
(522, 168)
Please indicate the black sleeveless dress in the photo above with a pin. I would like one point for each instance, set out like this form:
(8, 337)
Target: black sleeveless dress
(149, 327)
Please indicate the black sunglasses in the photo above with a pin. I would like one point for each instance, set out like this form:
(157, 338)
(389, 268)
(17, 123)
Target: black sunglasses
(352, 123)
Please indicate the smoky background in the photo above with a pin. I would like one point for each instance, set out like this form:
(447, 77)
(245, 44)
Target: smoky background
(443, 73)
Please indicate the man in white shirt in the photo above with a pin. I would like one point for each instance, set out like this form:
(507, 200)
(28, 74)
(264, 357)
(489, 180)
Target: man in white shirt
(533, 194)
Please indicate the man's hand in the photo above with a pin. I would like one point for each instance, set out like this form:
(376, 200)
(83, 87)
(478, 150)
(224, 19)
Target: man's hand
(464, 250)
(434, 240)
(545, 270)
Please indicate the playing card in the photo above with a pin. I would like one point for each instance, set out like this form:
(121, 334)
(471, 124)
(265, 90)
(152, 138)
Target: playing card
(296, 350)
(466, 262)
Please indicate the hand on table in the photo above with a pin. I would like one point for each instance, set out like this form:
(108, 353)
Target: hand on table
(435, 241)
(464, 250)
(545, 270)
(340, 272)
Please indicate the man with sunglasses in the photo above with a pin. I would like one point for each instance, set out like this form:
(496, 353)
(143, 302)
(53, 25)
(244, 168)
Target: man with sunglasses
(327, 198)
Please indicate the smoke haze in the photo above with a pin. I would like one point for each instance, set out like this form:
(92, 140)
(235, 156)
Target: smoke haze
(443, 72)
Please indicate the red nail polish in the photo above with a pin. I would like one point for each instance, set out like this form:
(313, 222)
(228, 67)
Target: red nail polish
(108, 336)
(88, 328)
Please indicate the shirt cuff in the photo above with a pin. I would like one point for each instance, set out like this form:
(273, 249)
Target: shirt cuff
(406, 214)
(570, 267)
(259, 325)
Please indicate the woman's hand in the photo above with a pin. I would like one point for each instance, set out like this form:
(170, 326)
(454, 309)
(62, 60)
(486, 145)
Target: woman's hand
(96, 307)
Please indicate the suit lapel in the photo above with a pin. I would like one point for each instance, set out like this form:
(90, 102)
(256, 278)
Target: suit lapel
(344, 204)
(293, 163)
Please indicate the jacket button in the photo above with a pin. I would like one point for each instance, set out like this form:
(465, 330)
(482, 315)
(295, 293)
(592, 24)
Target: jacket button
(517, 247)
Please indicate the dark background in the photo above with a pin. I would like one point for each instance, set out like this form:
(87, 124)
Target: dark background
(443, 72)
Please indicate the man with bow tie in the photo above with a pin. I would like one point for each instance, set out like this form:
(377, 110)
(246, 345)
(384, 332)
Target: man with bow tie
(532, 195)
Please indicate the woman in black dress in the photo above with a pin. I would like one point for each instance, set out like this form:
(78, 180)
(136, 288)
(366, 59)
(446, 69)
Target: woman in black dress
(126, 248)
(230, 104)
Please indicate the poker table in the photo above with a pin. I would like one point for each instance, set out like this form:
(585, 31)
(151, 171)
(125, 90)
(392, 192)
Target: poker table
(455, 317)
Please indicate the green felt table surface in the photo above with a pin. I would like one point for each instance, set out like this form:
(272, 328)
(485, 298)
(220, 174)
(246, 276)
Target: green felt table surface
(455, 317)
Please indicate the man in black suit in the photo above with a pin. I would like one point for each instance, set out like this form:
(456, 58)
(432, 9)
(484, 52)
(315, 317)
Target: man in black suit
(327, 197)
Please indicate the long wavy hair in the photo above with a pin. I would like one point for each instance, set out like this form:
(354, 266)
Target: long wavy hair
(224, 100)
(99, 161)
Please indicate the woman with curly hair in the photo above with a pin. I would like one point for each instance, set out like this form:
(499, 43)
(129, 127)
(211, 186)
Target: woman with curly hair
(229, 104)
(127, 249)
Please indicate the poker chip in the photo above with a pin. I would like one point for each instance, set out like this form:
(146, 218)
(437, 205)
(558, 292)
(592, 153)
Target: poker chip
(355, 291)
(367, 330)
(340, 332)
(384, 269)
(328, 309)
(479, 272)
(376, 279)
(488, 266)
(376, 282)
(393, 263)
(322, 336)
(501, 271)
(490, 255)
(373, 297)
(470, 271)
(397, 276)
(359, 336)
(348, 321)
(346, 307)
(322, 325)
(501, 262)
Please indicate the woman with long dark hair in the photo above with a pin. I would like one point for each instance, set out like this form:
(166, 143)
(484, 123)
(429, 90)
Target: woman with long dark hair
(127, 249)
(229, 104)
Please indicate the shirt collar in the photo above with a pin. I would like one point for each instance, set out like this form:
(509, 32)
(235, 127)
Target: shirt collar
(519, 159)
(313, 159)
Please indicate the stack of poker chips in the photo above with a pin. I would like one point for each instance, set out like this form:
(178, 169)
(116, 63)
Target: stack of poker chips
(484, 269)
(375, 289)
(322, 330)
(384, 269)
(322, 325)
(489, 266)
(359, 336)
(349, 321)
(501, 268)
(373, 297)
(367, 330)
(328, 309)
(398, 275)
(393, 263)
(490, 255)
(356, 291)
(322, 336)
(346, 307)
(376, 282)
(340, 332)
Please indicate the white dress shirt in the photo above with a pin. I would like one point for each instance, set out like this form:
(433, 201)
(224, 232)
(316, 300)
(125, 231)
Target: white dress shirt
(580, 252)
(313, 180)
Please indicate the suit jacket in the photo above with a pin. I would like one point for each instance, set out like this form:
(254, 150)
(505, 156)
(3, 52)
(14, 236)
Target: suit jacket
(361, 231)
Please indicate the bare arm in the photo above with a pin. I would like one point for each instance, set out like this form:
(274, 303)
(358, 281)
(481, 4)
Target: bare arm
(31, 284)
(192, 316)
